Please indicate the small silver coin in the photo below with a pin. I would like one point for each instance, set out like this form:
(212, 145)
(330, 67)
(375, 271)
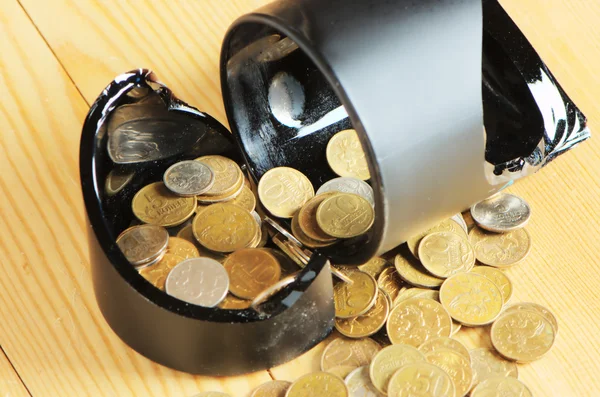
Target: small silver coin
(501, 213)
(189, 178)
(359, 383)
(349, 185)
(200, 281)
(142, 244)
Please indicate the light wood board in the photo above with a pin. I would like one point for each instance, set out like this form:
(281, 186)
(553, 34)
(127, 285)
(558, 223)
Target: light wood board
(55, 58)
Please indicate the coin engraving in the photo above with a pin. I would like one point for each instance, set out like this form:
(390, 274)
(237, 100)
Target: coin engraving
(414, 273)
(416, 320)
(201, 281)
(444, 343)
(421, 379)
(500, 250)
(522, 335)
(349, 352)
(318, 384)
(245, 199)
(536, 308)
(501, 213)
(487, 364)
(157, 273)
(367, 324)
(274, 388)
(388, 361)
(497, 277)
(471, 299)
(448, 225)
(188, 178)
(156, 205)
(227, 174)
(390, 282)
(307, 219)
(284, 190)
(345, 215)
(224, 227)
(456, 366)
(250, 271)
(346, 157)
(183, 248)
(445, 253)
(356, 298)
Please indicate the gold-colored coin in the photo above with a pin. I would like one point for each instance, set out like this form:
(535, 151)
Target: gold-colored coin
(143, 244)
(374, 266)
(246, 199)
(408, 293)
(536, 308)
(232, 302)
(414, 273)
(251, 270)
(501, 387)
(500, 249)
(156, 205)
(284, 190)
(157, 273)
(356, 298)
(421, 379)
(228, 175)
(225, 227)
(522, 335)
(456, 366)
(449, 225)
(359, 383)
(389, 360)
(390, 282)
(307, 218)
(274, 388)
(367, 324)
(298, 232)
(471, 299)
(429, 294)
(345, 215)
(488, 364)
(444, 343)
(444, 254)
(183, 248)
(320, 384)
(187, 233)
(341, 371)
(346, 157)
(230, 196)
(352, 353)
(416, 320)
(497, 277)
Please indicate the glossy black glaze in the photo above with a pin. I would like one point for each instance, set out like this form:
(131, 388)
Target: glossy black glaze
(174, 333)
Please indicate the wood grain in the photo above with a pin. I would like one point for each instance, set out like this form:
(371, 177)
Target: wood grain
(10, 383)
(58, 341)
(51, 328)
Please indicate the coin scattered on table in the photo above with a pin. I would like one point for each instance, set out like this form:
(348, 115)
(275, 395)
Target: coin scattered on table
(389, 360)
(351, 353)
(444, 254)
(346, 157)
(449, 225)
(359, 383)
(471, 299)
(501, 213)
(189, 178)
(500, 250)
(367, 324)
(488, 364)
(374, 266)
(318, 384)
(445, 343)
(423, 378)
(414, 273)
(416, 320)
(501, 387)
(457, 366)
(497, 277)
(546, 313)
(390, 282)
(201, 281)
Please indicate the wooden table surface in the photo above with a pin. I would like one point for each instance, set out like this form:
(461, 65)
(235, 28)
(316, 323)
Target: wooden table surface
(55, 58)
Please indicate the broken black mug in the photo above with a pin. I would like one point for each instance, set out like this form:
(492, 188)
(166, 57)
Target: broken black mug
(450, 101)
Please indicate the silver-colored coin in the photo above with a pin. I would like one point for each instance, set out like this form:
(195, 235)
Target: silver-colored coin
(349, 185)
(501, 213)
(189, 178)
(143, 243)
(201, 281)
(360, 385)
(458, 218)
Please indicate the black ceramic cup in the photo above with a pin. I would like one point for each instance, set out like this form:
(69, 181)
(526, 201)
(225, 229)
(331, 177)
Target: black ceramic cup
(451, 104)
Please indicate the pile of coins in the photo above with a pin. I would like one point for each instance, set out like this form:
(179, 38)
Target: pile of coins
(396, 323)
(203, 240)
